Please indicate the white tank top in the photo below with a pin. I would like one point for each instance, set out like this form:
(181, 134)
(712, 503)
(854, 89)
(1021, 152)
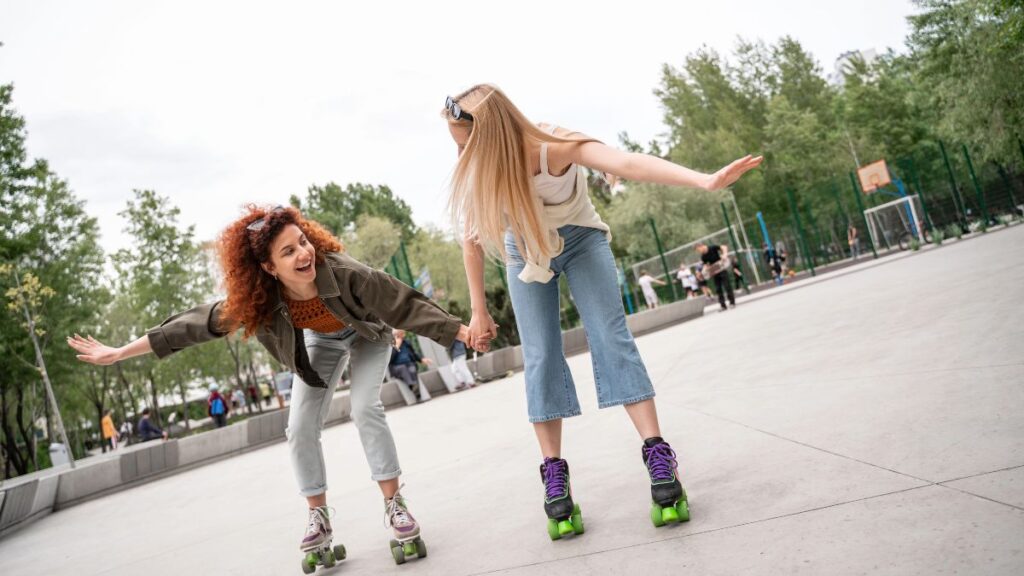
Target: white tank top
(553, 190)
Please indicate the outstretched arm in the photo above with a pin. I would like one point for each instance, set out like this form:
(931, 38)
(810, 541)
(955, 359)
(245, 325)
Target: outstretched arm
(195, 326)
(95, 352)
(647, 168)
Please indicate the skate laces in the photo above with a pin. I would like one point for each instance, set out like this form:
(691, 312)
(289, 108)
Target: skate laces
(556, 478)
(318, 518)
(395, 512)
(661, 461)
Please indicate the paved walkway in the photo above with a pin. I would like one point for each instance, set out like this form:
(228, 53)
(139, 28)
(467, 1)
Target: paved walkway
(868, 424)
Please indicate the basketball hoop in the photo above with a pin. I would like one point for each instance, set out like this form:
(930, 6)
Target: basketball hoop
(874, 176)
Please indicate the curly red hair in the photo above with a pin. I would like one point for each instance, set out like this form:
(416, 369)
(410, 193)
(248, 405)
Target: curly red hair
(242, 251)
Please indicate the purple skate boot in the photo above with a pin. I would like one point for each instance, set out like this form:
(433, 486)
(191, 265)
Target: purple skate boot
(668, 499)
(564, 516)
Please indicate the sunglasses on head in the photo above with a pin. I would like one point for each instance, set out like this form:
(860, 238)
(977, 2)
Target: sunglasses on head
(456, 111)
(258, 225)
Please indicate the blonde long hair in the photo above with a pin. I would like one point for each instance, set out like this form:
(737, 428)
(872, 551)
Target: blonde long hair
(492, 186)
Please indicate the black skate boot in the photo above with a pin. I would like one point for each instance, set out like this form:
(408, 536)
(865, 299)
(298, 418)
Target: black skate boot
(668, 499)
(564, 516)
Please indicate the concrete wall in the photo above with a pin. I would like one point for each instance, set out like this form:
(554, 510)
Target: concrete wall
(28, 498)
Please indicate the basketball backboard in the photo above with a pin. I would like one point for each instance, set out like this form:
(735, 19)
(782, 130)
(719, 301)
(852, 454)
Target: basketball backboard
(873, 176)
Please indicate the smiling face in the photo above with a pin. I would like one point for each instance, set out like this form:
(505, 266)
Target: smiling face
(292, 258)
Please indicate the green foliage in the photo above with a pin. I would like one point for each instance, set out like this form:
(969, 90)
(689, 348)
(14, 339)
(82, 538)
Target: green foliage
(339, 209)
(46, 235)
(970, 61)
(680, 215)
(373, 240)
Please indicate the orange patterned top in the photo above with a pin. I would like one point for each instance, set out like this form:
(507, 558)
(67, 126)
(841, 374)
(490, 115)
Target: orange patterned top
(314, 315)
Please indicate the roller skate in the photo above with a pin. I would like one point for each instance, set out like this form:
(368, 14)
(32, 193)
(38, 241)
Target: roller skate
(564, 516)
(668, 499)
(317, 542)
(407, 542)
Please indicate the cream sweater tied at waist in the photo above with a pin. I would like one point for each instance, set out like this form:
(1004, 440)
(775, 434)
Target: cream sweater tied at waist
(578, 210)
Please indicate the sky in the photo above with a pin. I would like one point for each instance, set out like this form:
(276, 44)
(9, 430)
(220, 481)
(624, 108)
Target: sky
(217, 104)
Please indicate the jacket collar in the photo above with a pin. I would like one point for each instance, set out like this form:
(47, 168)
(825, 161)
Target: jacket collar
(326, 286)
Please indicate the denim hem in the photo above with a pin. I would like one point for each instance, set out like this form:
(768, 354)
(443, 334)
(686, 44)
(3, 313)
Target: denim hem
(537, 419)
(632, 400)
(310, 492)
(386, 476)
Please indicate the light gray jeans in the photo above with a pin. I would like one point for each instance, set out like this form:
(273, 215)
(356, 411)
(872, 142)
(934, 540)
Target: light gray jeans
(328, 354)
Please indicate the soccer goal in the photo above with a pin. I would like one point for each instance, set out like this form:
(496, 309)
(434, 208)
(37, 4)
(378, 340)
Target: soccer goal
(894, 224)
(687, 254)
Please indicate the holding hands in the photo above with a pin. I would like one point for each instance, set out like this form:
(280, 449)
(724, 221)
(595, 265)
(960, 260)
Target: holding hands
(479, 333)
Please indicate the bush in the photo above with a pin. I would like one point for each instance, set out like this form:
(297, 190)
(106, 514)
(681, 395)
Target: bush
(915, 244)
(938, 236)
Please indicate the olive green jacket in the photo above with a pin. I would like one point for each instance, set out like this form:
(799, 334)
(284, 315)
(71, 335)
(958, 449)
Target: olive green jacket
(367, 300)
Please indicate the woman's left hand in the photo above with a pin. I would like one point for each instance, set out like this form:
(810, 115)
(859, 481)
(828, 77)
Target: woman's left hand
(731, 173)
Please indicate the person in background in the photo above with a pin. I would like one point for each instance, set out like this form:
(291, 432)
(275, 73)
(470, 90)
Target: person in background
(853, 240)
(237, 400)
(723, 287)
(646, 282)
(217, 407)
(737, 276)
(688, 280)
(771, 260)
(147, 430)
(264, 391)
(460, 368)
(254, 395)
(404, 365)
(702, 283)
(127, 429)
(109, 430)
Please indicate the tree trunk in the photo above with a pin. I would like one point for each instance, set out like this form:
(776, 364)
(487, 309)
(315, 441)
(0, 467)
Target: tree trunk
(184, 404)
(29, 436)
(238, 372)
(252, 377)
(127, 389)
(12, 456)
(97, 402)
(155, 408)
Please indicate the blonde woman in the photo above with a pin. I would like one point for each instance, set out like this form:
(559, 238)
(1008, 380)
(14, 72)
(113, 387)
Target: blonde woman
(521, 195)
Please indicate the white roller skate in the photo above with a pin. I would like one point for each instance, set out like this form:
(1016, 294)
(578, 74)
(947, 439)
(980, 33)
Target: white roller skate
(407, 542)
(316, 543)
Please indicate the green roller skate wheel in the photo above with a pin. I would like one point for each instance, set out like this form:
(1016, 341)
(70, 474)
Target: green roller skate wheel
(656, 515)
(398, 553)
(553, 529)
(309, 563)
(577, 524)
(339, 552)
(683, 509)
(409, 548)
(327, 558)
(421, 548)
(669, 515)
(565, 527)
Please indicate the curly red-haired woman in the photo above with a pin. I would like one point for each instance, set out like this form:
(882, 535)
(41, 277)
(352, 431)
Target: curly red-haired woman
(313, 308)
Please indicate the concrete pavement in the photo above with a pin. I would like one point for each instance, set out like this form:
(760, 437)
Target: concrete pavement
(868, 424)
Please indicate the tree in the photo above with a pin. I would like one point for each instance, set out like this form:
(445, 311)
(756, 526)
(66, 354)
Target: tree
(162, 273)
(373, 240)
(45, 235)
(339, 209)
(969, 64)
